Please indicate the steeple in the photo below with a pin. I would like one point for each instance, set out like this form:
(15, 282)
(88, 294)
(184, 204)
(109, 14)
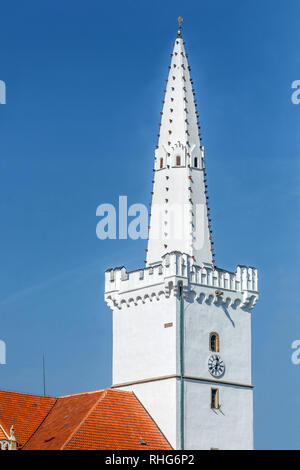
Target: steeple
(182, 327)
(179, 209)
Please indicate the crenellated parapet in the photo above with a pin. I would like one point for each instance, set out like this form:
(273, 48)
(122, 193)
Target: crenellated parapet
(204, 283)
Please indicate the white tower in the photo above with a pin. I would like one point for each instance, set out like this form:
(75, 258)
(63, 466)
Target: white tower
(181, 326)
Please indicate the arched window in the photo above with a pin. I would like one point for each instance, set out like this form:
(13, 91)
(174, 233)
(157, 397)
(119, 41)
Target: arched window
(214, 342)
(178, 160)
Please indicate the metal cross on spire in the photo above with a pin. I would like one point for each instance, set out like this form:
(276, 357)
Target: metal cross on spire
(180, 20)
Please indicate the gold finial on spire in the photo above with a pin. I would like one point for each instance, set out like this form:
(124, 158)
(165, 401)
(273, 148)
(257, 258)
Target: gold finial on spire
(180, 20)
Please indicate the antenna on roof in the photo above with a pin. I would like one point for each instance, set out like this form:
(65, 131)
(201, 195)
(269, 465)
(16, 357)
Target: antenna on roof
(44, 375)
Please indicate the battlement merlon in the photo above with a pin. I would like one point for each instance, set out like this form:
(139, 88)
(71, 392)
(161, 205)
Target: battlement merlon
(123, 288)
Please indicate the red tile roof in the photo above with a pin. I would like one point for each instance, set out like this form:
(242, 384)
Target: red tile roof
(104, 419)
(25, 412)
(119, 422)
(2, 434)
(65, 418)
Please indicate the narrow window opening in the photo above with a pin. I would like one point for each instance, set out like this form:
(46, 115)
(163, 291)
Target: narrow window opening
(214, 342)
(178, 161)
(214, 399)
(196, 162)
(161, 163)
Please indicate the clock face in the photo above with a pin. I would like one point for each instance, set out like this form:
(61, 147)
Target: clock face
(215, 365)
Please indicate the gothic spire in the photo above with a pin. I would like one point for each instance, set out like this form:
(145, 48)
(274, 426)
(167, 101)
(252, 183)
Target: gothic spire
(179, 210)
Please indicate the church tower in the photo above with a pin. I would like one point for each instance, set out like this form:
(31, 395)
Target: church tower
(181, 325)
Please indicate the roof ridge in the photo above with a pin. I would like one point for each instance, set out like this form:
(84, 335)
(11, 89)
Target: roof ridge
(35, 431)
(27, 394)
(152, 419)
(83, 393)
(95, 391)
(105, 390)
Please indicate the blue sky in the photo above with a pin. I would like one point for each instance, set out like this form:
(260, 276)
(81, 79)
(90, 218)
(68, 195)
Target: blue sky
(84, 83)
